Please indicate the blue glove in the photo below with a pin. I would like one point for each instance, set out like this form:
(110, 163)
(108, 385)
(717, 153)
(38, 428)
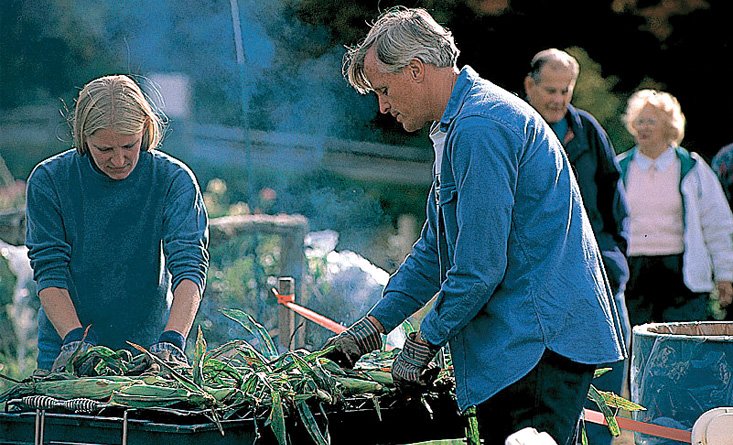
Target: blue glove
(349, 346)
(412, 370)
(74, 344)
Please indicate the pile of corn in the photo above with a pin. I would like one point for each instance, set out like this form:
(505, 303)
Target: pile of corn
(232, 381)
(229, 381)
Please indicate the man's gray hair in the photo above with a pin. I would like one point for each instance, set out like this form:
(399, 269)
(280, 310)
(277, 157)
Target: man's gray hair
(399, 35)
(555, 59)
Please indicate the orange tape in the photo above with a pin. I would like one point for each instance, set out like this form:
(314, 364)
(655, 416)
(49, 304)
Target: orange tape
(641, 427)
(290, 298)
(288, 301)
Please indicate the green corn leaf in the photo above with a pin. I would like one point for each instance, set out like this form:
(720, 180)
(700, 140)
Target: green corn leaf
(198, 357)
(377, 407)
(616, 401)
(595, 396)
(472, 433)
(182, 379)
(306, 415)
(407, 327)
(217, 372)
(269, 350)
(600, 371)
(277, 418)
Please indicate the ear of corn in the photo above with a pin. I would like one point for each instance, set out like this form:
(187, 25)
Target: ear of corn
(140, 395)
(91, 388)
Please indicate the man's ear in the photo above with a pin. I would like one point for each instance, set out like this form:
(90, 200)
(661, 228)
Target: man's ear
(416, 70)
(528, 82)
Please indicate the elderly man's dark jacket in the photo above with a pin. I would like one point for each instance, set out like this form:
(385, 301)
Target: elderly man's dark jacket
(593, 158)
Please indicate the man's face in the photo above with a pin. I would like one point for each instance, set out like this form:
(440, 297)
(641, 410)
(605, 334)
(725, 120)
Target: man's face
(551, 95)
(399, 93)
(114, 154)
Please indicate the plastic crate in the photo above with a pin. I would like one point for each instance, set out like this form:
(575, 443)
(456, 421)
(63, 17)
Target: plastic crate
(24, 428)
(359, 423)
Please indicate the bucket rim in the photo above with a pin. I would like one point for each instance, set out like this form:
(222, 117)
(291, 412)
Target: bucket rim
(649, 329)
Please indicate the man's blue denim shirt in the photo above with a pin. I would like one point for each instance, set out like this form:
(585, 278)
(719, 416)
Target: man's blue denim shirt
(519, 268)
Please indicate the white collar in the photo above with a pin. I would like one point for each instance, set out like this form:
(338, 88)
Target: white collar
(666, 159)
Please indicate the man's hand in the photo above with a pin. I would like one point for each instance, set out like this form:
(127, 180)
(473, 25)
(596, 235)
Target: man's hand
(75, 342)
(362, 337)
(412, 371)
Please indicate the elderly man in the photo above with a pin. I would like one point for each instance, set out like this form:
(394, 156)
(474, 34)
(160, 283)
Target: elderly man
(507, 249)
(549, 87)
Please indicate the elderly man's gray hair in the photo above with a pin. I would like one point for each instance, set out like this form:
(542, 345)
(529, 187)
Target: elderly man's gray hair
(398, 36)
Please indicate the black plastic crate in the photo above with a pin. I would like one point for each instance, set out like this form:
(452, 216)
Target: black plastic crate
(398, 422)
(24, 428)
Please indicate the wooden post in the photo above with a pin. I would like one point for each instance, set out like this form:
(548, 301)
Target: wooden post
(285, 317)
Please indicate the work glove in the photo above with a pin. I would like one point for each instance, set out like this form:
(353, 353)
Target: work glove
(412, 371)
(75, 343)
(170, 351)
(349, 346)
(168, 348)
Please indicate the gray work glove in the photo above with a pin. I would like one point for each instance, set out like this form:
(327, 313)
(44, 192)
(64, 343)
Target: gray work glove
(349, 346)
(412, 370)
(75, 343)
(168, 348)
(169, 353)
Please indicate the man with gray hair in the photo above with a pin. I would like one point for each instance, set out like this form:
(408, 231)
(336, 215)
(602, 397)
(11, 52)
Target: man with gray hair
(549, 86)
(506, 250)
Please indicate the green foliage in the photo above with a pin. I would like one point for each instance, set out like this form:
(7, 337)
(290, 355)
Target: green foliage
(8, 337)
(241, 272)
(595, 94)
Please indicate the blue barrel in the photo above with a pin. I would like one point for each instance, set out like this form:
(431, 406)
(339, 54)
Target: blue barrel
(679, 371)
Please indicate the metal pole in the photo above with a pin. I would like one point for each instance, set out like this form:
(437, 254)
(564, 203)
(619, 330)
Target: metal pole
(239, 48)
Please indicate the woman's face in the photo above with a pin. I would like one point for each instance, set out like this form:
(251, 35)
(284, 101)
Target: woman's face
(652, 131)
(114, 154)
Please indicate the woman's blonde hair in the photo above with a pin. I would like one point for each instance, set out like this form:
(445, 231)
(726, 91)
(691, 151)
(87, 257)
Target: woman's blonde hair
(665, 103)
(116, 103)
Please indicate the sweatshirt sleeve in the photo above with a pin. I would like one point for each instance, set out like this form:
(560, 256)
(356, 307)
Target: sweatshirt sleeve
(716, 221)
(48, 250)
(186, 231)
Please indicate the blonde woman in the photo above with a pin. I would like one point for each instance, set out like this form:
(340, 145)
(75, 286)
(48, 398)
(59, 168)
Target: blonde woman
(114, 227)
(680, 245)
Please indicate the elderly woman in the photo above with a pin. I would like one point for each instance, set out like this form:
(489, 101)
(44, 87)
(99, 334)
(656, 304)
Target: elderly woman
(680, 247)
(117, 233)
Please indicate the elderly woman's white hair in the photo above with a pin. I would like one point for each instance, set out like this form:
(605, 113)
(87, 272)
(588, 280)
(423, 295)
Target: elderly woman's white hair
(662, 101)
(398, 36)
